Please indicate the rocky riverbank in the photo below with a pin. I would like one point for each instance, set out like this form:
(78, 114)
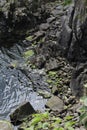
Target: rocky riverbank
(50, 73)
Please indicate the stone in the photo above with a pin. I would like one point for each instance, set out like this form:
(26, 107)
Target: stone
(59, 7)
(55, 90)
(44, 26)
(66, 33)
(55, 13)
(78, 79)
(65, 37)
(51, 19)
(44, 93)
(21, 113)
(77, 128)
(38, 35)
(52, 65)
(55, 104)
(40, 61)
(82, 128)
(5, 125)
(57, 34)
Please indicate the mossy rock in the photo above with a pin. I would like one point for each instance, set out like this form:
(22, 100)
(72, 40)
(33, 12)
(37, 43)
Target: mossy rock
(28, 53)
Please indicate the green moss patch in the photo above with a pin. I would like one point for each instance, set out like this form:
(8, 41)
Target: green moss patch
(28, 53)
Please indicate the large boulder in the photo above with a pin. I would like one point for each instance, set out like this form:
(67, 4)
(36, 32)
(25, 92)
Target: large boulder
(55, 104)
(22, 112)
(78, 82)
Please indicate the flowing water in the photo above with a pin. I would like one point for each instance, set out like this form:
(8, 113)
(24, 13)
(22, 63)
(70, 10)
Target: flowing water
(17, 84)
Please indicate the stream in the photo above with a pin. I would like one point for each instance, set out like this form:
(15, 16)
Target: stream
(19, 84)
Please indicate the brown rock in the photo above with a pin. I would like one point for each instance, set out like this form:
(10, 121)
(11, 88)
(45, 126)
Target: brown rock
(55, 104)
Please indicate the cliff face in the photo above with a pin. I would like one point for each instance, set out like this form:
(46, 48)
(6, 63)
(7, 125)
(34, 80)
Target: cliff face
(74, 41)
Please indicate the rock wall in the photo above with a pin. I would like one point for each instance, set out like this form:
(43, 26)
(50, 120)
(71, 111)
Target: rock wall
(73, 43)
(73, 36)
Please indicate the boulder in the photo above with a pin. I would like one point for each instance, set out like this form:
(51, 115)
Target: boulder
(51, 19)
(55, 104)
(44, 26)
(52, 64)
(22, 112)
(78, 80)
(5, 125)
(65, 37)
(73, 37)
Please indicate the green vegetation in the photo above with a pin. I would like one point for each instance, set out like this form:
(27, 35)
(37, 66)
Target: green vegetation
(67, 2)
(45, 121)
(29, 38)
(28, 53)
(83, 116)
(54, 80)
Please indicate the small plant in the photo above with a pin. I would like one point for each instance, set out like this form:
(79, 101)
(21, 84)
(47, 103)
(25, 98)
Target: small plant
(45, 121)
(67, 2)
(83, 110)
(28, 53)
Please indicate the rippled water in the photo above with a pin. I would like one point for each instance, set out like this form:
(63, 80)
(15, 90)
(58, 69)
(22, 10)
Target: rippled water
(17, 84)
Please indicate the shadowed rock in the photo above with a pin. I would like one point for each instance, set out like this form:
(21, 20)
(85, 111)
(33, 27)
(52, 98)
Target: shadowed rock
(21, 112)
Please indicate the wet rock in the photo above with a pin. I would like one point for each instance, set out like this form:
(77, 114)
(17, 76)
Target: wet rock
(55, 104)
(44, 26)
(2, 84)
(5, 125)
(21, 112)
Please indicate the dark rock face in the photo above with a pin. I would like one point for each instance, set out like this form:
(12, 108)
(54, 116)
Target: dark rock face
(17, 17)
(73, 38)
(79, 78)
(73, 44)
(65, 37)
